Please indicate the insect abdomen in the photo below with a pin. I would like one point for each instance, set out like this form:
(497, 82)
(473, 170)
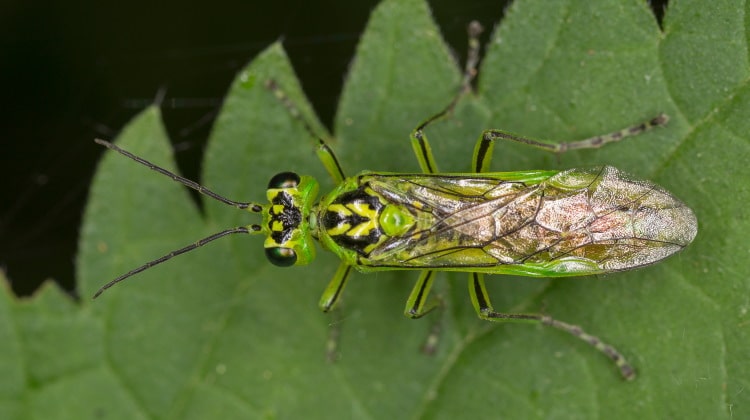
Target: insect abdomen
(606, 216)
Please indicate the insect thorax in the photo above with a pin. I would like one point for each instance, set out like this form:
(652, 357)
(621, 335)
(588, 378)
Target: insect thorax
(361, 220)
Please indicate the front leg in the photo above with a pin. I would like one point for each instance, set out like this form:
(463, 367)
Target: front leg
(324, 152)
(335, 288)
(331, 300)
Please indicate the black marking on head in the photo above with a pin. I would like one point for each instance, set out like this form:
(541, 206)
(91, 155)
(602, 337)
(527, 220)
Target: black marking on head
(290, 217)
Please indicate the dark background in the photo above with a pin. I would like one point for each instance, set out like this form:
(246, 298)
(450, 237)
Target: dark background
(74, 71)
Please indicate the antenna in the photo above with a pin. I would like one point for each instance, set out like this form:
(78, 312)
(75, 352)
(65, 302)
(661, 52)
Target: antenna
(250, 206)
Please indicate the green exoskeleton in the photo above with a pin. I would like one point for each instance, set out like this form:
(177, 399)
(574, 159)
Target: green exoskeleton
(539, 223)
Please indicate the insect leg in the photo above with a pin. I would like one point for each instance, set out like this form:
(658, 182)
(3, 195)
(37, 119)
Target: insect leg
(330, 162)
(484, 146)
(332, 294)
(324, 152)
(418, 306)
(415, 305)
(328, 301)
(480, 161)
(419, 141)
(334, 334)
(481, 301)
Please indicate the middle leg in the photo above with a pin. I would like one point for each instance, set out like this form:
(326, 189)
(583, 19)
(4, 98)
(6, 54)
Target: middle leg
(419, 141)
(417, 304)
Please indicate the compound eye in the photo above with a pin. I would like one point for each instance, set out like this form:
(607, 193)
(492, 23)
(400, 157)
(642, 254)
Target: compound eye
(280, 256)
(284, 180)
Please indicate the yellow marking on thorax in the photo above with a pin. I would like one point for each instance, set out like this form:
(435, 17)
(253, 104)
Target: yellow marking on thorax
(339, 229)
(339, 208)
(356, 208)
(363, 229)
(363, 209)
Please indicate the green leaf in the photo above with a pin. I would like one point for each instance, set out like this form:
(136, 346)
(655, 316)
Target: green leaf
(220, 333)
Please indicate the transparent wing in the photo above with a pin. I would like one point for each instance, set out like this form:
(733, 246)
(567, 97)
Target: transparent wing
(575, 222)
